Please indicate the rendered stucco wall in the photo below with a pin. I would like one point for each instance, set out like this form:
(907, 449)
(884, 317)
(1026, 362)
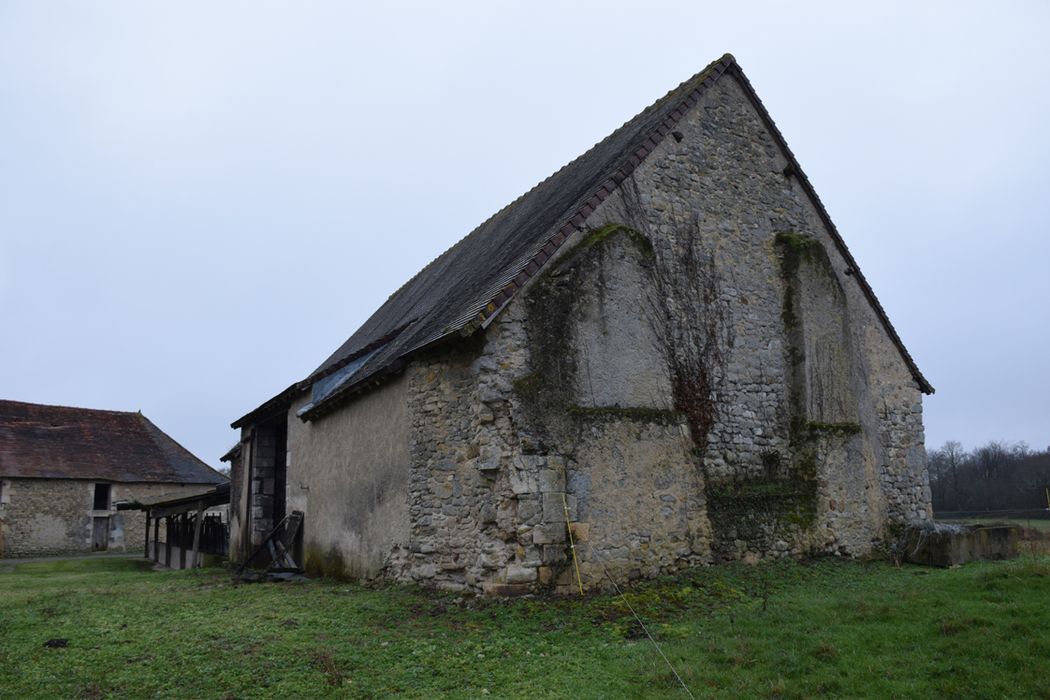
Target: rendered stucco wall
(348, 472)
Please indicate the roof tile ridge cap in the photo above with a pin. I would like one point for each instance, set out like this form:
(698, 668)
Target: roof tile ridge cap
(157, 432)
(727, 59)
(84, 409)
(822, 211)
(151, 430)
(713, 70)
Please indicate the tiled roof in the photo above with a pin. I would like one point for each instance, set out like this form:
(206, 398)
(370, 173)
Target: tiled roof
(470, 282)
(60, 442)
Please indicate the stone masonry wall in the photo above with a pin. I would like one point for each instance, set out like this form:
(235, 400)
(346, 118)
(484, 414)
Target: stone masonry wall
(696, 379)
(816, 433)
(263, 467)
(510, 451)
(45, 517)
(464, 516)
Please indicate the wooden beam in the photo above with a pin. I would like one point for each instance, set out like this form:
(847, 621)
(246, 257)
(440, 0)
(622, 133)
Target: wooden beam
(184, 506)
(156, 540)
(145, 552)
(197, 534)
(167, 545)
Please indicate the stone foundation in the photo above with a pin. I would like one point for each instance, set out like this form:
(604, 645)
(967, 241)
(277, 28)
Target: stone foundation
(944, 545)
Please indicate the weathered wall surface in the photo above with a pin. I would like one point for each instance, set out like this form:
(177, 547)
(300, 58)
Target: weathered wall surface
(711, 386)
(349, 473)
(240, 499)
(461, 529)
(557, 418)
(814, 440)
(697, 377)
(44, 517)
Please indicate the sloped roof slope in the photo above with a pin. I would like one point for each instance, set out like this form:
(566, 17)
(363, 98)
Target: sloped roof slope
(470, 282)
(61, 442)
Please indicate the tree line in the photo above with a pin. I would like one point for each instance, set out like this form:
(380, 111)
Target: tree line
(999, 476)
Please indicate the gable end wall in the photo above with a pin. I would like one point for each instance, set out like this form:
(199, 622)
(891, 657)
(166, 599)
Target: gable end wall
(814, 439)
(722, 186)
(832, 426)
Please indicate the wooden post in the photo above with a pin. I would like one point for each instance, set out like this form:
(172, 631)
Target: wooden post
(145, 552)
(182, 541)
(197, 533)
(156, 540)
(167, 545)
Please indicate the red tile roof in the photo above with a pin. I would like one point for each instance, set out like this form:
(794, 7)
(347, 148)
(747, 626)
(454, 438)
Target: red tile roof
(60, 442)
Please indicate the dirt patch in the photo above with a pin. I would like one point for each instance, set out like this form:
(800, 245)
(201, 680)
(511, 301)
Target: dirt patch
(325, 661)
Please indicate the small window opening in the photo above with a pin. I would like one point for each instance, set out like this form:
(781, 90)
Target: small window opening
(101, 496)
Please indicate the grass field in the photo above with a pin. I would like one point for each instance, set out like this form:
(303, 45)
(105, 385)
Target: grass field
(819, 629)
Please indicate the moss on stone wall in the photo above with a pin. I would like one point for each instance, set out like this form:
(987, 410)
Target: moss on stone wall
(600, 235)
(634, 413)
(796, 242)
(791, 247)
(763, 509)
(321, 564)
(782, 503)
(527, 385)
(547, 393)
(833, 429)
(547, 390)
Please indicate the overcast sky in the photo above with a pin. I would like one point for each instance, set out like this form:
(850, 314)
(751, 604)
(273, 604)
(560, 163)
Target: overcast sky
(200, 201)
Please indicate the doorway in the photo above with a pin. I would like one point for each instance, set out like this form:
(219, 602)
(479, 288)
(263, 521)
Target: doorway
(100, 535)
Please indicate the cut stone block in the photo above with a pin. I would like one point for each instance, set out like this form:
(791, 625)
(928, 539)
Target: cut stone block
(944, 545)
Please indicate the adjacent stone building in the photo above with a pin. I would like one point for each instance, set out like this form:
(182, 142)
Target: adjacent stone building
(63, 470)
(664, 352)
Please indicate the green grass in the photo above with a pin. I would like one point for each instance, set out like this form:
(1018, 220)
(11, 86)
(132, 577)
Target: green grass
(820, 629)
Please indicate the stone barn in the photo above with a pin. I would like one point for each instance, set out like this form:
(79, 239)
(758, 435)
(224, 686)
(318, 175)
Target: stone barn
(63, 470)
(663, 354)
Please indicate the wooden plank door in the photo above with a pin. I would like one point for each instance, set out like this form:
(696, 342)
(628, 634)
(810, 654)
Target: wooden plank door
(100, 535)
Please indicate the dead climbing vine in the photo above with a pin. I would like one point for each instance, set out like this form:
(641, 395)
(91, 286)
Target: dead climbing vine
(692, 316)
(695, 329)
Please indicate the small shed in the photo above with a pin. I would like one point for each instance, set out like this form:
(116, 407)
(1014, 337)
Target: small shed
(195, 527)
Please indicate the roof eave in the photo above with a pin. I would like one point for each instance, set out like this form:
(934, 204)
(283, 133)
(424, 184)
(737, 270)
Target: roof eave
(269, 408)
